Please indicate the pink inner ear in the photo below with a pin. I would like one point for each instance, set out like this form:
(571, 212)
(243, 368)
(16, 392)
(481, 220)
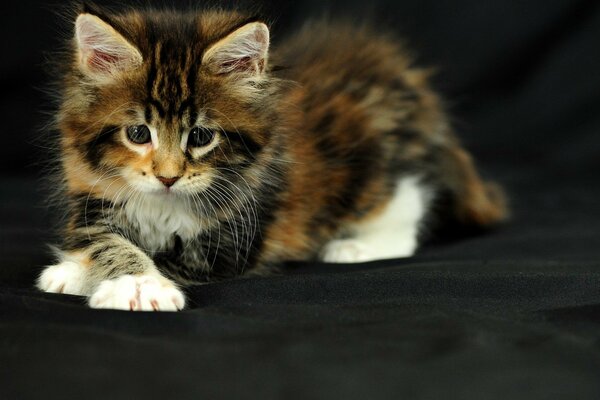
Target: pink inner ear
(237, 65)
(102, 61)
(103, 50)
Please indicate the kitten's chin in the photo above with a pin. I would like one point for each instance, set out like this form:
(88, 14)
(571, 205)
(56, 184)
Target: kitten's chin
(161, 191)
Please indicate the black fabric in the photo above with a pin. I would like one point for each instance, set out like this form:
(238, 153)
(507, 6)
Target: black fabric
(511, 314)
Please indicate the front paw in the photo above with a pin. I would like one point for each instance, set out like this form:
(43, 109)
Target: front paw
(67, 277)
(138, 293)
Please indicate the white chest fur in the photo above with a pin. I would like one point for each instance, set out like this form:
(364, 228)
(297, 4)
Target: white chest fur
(159, 218)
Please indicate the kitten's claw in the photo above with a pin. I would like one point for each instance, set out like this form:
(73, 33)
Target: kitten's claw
(346, 251)
(66, 277)
(138, 293)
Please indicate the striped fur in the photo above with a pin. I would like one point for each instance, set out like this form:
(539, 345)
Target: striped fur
(300, 154)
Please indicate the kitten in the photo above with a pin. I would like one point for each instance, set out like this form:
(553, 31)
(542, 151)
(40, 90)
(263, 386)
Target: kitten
(187, 158)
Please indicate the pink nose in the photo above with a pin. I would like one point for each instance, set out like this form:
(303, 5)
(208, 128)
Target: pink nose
(168, 182)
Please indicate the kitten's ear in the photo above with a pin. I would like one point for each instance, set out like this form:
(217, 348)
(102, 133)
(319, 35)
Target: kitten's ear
(243, 51)
(103, 52)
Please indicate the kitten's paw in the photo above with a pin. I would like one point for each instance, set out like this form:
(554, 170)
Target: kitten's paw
(67, 277)
(347, 251)
(138, 293)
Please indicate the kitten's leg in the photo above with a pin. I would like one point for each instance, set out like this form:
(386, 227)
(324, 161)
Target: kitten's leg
(114, 274)
(392, 233)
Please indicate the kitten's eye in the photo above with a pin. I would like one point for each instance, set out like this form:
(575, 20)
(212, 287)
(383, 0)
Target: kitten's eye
(139, 134)
(199, 137)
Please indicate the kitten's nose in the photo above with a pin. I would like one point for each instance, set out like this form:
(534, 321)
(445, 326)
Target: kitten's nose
(168, 182)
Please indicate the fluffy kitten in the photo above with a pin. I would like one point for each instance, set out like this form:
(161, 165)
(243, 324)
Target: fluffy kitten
(187, 158)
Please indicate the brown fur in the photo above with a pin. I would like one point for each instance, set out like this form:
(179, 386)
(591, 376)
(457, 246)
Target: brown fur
(321, 143)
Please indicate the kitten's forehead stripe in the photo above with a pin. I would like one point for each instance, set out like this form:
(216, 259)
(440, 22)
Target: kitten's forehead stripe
(189, 106)
(170, 91)
(173, 64)
(191, 76)
(150, 85)
(148, 113)
(158, 107)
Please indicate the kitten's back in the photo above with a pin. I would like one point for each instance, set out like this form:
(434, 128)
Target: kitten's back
(375, 118)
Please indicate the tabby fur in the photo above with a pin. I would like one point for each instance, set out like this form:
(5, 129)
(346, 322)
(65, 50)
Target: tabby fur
(311, 139)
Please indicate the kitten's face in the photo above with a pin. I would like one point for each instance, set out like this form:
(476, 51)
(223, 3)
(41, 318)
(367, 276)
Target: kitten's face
(166, 106)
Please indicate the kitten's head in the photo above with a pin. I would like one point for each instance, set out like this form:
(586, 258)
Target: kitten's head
(163, 102)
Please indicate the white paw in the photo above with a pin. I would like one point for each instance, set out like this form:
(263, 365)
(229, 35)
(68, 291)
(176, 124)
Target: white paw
(347, 251)
(67, 277)
(138, 293)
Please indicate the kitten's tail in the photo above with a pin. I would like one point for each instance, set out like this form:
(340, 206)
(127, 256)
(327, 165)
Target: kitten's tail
(475, 202)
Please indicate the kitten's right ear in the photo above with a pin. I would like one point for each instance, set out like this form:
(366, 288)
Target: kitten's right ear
(243, 52)
(102, 51)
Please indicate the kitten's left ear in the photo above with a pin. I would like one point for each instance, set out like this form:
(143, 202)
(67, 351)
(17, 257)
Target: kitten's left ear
(103, 52)
(243, 51)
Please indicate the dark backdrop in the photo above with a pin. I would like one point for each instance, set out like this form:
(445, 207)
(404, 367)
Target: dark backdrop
(511, 314)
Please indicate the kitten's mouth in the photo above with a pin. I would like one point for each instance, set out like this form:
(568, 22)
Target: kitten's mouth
(163, 191)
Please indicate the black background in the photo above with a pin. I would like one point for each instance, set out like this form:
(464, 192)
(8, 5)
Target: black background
(507, 315)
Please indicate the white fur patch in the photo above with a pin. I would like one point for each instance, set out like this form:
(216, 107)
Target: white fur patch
(198, 152)
(391, 234)
(184, 140)
(67, 277)
(159, 216)
(154, 137)
(138, 293)
(347, 251)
